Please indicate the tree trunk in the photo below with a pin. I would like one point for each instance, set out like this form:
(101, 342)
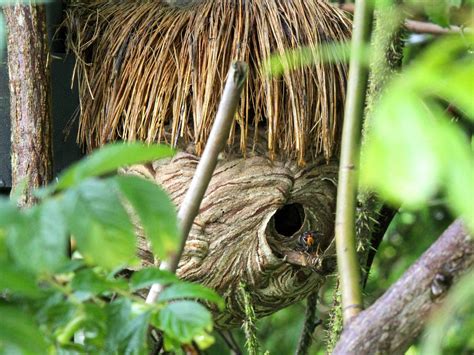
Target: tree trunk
(29, 98)
(391, 324)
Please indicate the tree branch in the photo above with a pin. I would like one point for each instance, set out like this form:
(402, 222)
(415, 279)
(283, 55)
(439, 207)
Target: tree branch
(310, 324)
(347, 259)
(418, 26)
(392, 323)
(216, 141)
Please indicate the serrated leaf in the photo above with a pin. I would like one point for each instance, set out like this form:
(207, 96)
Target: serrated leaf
(56, 311)
(147, 277)
(17, 281)
(118, 314)
(101, 226)
(111, 157)
(190, 290)
(38, 242)
(17, 329)
(183, 320)
(156, 212)
(126, 332)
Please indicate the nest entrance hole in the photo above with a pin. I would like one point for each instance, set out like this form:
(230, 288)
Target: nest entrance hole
(289, 219)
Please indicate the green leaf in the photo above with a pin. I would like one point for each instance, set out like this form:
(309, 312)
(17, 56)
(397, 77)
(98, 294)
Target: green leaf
(38, 242)
(126, 331)
(455, 3)
(147, 277)
(66, 333)
(92, 283)
(89, 318)
(71, 266)
(454, 84)
(156, 212)
(183, 320)
(458, 168)
(111, 157)
(295, 59)
(99, 223)
(400, 159)
(17, 281)
(9, 216)
(118, 315)
(438, 12)
(9, 213)
(56, 311)
(190, 290)
(17, 329)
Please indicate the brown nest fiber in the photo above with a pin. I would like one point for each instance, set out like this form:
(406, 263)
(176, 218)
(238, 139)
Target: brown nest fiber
(154, 72)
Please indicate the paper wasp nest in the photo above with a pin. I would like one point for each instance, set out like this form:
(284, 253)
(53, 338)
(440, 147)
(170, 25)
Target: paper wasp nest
(248, 228)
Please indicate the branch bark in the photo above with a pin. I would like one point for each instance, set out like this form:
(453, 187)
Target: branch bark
(28, 68)
(391, 324)
(215, 144)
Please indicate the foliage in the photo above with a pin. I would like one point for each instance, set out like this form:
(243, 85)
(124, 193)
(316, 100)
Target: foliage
(423, 122)
(438, 12)
(48, 298)
(419, 151)
(415, 150)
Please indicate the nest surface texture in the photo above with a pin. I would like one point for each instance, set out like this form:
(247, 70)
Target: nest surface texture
(154, 72)
(247, 231)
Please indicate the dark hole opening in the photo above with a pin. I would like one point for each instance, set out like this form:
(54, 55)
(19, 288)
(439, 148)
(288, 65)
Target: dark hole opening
(289, 219)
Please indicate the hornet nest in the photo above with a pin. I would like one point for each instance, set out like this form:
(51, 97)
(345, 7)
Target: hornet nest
(152, 71)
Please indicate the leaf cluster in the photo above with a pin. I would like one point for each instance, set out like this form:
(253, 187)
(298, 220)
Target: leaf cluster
(415, 148)
(48, 299)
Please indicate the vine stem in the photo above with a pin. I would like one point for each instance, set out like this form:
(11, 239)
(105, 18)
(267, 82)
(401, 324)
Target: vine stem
(347, 260)
(310, 324)
(215, 144)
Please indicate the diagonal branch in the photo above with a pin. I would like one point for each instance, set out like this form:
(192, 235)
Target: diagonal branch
(392, 323)
(217, 138)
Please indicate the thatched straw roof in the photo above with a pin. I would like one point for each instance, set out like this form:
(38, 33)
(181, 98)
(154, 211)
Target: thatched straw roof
(152, 72)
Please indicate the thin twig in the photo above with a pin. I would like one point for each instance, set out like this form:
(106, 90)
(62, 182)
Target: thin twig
(347, 260)
(310, 323)
(419, 26)
(229, 339)
(217, 138)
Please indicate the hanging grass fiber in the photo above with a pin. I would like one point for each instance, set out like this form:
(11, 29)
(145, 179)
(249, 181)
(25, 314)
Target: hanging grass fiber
(155, 72)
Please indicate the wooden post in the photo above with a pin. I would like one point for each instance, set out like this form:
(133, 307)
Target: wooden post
(28, 66)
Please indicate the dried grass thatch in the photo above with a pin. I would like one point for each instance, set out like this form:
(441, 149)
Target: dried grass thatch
(152, 72)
